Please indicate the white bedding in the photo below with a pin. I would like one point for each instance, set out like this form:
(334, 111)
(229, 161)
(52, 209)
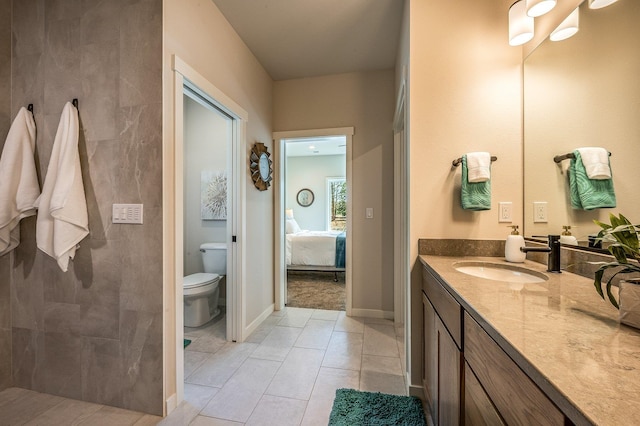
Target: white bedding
(317, 248)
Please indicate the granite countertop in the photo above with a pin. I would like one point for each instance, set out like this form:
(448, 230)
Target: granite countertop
(561, 333)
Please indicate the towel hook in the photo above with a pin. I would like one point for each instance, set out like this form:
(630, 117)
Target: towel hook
(75, 102)
(30, 109)
(458, 161)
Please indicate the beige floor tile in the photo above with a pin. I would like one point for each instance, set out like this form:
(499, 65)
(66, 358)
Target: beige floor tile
(296, 377)
(148, 420)
(199, 396)
(21, 406)
(183, 415)
(324, 391)
(380, 339)
(210, 421)
(242, 392)
(372, 381)
(277, 411)
(322, 314)
(109, 416)
(344, 351)
(316, 334)
(378, 321)
(67, 412)
(219, 367)
(382, 364)
(295, 317)
(349, 324)
(193, 360)
(277, 344)
(210, 344)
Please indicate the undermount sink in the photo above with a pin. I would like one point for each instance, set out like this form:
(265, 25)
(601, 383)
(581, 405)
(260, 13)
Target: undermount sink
(500, 272)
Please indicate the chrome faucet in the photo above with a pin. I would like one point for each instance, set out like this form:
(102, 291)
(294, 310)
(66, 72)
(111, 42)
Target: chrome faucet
(553, 261)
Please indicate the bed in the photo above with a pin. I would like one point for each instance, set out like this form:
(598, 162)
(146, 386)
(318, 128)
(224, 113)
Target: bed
(322, 251)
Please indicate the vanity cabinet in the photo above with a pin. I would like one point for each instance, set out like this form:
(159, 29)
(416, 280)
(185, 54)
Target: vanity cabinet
(467, 377)
(442, 355)
(507, 389)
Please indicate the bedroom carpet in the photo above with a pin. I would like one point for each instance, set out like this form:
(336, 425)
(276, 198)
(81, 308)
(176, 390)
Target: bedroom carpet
(315, 290)
(352, 407)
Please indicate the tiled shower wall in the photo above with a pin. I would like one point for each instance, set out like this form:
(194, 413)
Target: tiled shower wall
(5, 122)
(93, 333)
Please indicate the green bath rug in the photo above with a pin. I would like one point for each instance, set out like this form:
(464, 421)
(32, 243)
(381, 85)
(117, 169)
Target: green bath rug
(187, 342)
(352, 407)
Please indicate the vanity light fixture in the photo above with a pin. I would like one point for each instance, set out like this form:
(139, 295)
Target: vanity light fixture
(520, 25)
(537, 8)
(599, 4)
(567, 28)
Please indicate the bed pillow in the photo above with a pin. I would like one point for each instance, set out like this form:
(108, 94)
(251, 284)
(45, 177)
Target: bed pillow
(292, 226)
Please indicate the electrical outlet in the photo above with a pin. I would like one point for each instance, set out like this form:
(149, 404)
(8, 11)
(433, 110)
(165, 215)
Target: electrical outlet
(504, 211)
(540, 211)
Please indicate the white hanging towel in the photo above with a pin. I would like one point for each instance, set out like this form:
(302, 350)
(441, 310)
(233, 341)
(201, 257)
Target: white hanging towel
(596, 162)
(19, 187)
(478, 167)
(62, 208)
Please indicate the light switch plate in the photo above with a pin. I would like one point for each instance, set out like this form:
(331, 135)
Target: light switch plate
(127, 213)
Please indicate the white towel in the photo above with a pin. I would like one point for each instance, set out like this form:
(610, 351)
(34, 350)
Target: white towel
(478, 167)
(62, 217)
(19, 187)
(596, 162)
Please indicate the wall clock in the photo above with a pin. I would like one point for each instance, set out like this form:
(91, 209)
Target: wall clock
(260, 166)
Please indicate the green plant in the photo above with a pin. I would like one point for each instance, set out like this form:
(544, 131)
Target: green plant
(624, 246)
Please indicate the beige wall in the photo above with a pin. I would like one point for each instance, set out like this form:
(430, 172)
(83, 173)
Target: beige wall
(196, 31)
(365, 101)
(465, 96)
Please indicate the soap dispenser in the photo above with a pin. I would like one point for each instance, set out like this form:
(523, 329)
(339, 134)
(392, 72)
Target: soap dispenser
(566, 237)
(512, 251)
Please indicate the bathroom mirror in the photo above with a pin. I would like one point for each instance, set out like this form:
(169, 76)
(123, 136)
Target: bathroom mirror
(583, 91)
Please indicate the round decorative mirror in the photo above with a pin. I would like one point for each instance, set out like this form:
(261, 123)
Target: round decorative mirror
(260, 166)
(305, 197)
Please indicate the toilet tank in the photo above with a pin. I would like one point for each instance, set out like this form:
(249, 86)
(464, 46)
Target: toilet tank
(214, 258)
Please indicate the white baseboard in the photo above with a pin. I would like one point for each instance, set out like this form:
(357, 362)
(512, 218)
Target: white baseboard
(416, 391)
(255, 323)
(171, 403)
(372, 313)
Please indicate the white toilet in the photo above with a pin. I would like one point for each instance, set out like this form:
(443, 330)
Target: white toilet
(201, 289)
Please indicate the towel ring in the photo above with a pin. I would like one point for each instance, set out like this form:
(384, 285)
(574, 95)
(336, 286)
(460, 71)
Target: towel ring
(458, 161)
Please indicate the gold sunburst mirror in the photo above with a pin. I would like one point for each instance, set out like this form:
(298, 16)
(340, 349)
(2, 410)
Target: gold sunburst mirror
(260, 166)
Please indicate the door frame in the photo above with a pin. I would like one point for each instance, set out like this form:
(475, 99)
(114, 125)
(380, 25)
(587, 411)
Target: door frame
(279, 208)
(185, 75)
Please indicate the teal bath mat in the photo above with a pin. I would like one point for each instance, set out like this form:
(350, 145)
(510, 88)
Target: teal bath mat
(352, 407)
(187, 342)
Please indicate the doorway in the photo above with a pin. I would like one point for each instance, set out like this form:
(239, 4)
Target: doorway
(190, 85)
(311, 203)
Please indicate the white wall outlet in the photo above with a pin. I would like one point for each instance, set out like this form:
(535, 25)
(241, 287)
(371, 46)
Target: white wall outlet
(369, 213)
(505, 211)
(539, 211)
(126, 213)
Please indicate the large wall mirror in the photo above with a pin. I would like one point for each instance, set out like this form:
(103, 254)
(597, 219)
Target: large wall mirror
(580, 92)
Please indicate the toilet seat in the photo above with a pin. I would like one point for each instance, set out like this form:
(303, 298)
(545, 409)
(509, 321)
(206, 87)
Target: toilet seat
(199, 279)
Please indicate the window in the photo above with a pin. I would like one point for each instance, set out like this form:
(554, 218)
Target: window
(337, 203)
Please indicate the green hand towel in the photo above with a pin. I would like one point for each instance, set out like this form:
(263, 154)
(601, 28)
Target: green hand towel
(588, 194)
(474, 196)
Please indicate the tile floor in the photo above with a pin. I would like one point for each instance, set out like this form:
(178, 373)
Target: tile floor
(286, 373)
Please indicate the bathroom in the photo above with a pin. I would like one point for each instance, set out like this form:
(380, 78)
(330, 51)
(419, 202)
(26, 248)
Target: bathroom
(207, 138)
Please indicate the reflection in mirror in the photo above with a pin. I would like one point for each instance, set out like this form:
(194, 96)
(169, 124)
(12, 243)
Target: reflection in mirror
(581, 92)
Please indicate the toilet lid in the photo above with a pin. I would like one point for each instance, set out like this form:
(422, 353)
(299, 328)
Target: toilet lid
(198, 280)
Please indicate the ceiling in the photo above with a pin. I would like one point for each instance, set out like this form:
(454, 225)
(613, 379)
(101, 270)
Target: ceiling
(309, 38)
(324, 145)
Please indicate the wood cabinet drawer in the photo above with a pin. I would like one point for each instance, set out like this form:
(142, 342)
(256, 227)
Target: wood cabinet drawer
(515, 395)
(478, 408)
(445, 305)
